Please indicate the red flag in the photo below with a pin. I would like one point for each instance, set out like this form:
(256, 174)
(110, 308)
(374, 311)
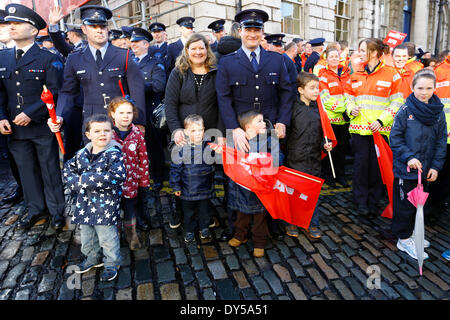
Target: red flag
(287, 194)
(327, 129)
(293, 197)
(248, 170)
(385, 162)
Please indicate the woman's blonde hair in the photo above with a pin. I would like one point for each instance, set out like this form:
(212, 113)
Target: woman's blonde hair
(183, 62)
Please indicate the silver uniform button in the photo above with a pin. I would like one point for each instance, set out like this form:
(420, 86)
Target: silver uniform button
(17, 83)
(102, 84)
(257, 87)
(273, 82)
(17, 72)
(18, 107)
(256, 99)
(100, 73)
(237, 83)
(256, 76)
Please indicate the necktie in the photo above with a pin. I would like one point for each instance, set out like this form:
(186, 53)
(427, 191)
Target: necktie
(136, 59)
(254, 62)
(19, 54)
(99, 59)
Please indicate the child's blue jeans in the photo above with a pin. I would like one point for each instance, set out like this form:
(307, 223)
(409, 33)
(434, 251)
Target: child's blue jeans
(96, 238)
(315, 218)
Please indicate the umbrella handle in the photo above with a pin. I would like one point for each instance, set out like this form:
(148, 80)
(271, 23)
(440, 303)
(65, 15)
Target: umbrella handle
(419, 176)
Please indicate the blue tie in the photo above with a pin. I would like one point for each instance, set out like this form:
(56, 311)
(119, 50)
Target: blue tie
(254, 62)
(136, 59)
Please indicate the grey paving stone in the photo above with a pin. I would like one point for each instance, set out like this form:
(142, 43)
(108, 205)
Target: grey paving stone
(302, 257)
(260, 285)
(180, 256)
(249, 294)
(296, 267)
(430, 287)
(197, 263)
(232, 262)
(217, 270)
(11, 278)
(165, 271)
(203, 279)
(124, 278)
(4, 294)
(273, 255)
(48, 281)
(27, 254)
(356, 287)
(404, 292)
(273, 282)
(3, 267)
(23, 295)
(389, 291)
(142, 272)
(226, 290)
(10, 250)
(31, 277)
(160, 254)
(309, 287)
(209, 294)
(186, 274)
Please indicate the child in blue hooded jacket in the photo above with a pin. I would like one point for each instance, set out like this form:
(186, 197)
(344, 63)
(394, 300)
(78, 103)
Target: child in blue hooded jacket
(418, 141)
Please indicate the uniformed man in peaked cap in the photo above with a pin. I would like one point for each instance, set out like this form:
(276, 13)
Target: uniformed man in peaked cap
(159, 49)
(252, 78)
(101, 69)
(174, 49)
(317, 48)
(24, 70)
(219, 31)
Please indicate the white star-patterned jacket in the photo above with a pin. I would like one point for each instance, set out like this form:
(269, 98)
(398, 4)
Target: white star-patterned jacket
(97, 180)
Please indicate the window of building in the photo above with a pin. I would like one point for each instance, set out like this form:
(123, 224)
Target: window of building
(384, 18)
(342, 19)
(292, 21)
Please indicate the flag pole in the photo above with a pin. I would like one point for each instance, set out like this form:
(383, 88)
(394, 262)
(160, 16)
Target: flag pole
(331, 160)
(300, 175)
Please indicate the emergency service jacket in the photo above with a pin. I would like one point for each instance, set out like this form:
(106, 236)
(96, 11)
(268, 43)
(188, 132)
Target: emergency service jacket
(407, 78)
(413, 65)
(321, 64)
(331, 87)
(442, 72)
(377, 94)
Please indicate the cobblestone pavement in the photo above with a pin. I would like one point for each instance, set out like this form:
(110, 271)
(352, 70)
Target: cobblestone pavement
(38, 264)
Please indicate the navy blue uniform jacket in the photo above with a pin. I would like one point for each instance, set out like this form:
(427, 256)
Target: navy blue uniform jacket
(101, 85)
(21, 87)
(240, 88)
(410, 139)
(173, 51)
(158, 52)
(311, 62)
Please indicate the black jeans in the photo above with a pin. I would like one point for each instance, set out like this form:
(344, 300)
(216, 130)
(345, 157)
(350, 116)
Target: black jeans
(190, 218)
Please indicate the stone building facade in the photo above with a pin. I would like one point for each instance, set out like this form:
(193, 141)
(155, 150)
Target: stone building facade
(350, 20)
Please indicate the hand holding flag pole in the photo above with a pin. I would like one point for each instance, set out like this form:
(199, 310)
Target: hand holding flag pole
(47, 97)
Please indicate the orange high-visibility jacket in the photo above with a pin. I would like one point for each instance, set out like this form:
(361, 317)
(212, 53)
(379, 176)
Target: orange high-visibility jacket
(377, 94)
(407, 78)
(304, 57)
(413, 65)
(331, 87)
(442, 72)
(322, 63)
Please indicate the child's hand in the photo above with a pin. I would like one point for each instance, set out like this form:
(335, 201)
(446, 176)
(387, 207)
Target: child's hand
(177, 193)
(415, 164)
(432, 175)
(328, 146)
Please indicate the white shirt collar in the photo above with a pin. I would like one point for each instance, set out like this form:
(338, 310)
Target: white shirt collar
(248, 52)
(26, 48)
(102, 50)
(142, 57)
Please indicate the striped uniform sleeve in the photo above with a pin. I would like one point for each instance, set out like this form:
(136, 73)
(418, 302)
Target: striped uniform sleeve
(395, 101)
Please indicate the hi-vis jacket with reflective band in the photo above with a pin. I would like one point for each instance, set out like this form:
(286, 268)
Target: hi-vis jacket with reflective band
(331, 87)
(322, 63)
(377, 94)
(413, 65)
(442, 72)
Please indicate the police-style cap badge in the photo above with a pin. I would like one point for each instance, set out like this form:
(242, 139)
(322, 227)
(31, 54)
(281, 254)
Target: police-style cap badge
(317, 42)
(217, 25)
(187, 22)
(275, 39)
(252, 18)
(126, 31)
(138, 34)
(95, 15)
(20, 13)
(157, 26)
(114, 34)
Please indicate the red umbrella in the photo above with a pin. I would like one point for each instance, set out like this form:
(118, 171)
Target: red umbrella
(47, 97)
(418, 197)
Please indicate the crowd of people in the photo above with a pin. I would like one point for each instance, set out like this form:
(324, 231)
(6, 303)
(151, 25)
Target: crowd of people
(247, 89)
